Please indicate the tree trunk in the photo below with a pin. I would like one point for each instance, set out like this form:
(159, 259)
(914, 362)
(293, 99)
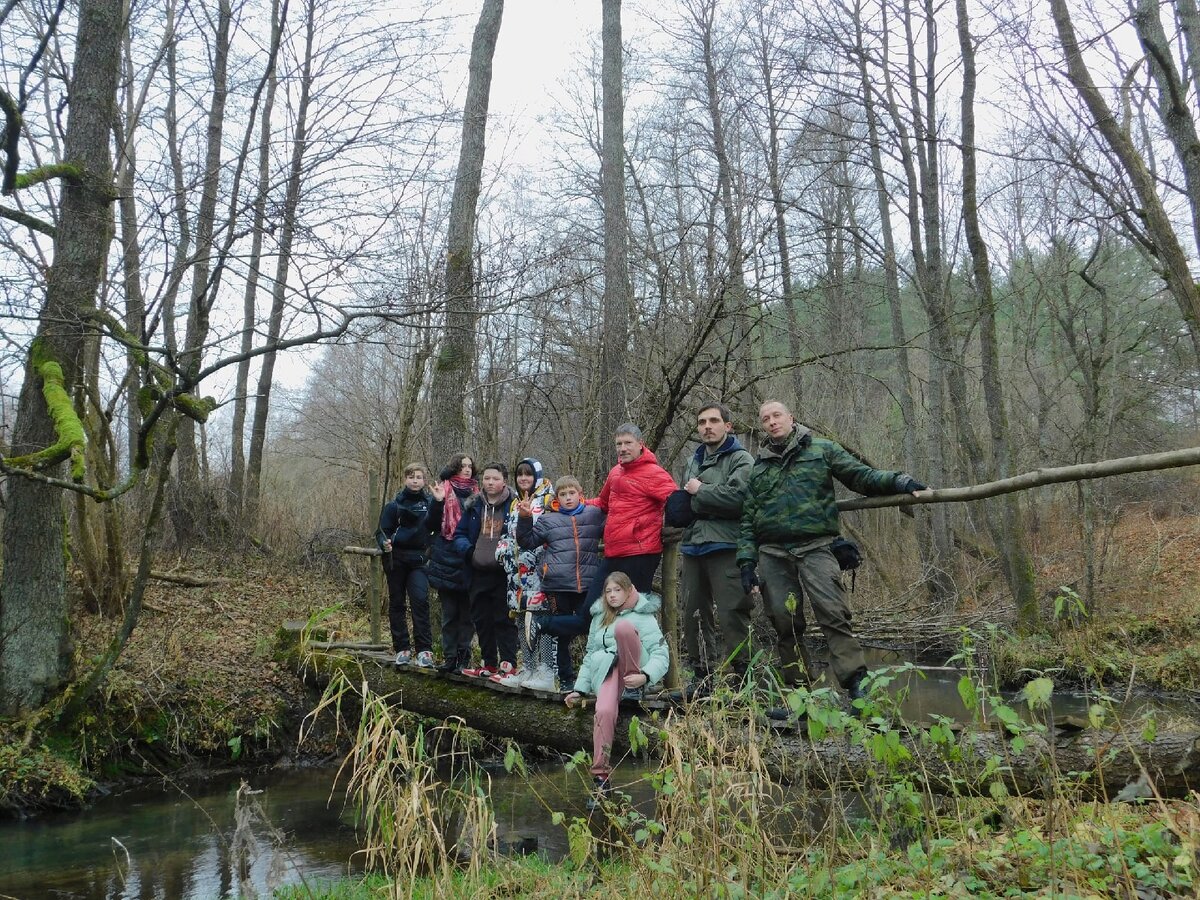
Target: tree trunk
(539, 718)
(262, 400)
(34, 615)
(454, 370)
(1006, 526)
(1175, 110)
(617, 304)
(1166, 246)
(250, 297)
(775, 186)
(190, 508)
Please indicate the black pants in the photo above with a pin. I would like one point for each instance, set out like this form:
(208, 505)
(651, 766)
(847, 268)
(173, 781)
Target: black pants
(408, 586)
(457, 627)
(640, 570)
(567, 604)
(489, 610)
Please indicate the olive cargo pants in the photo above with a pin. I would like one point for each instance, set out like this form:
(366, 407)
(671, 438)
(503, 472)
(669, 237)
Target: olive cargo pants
(709, 581)
(817, 576)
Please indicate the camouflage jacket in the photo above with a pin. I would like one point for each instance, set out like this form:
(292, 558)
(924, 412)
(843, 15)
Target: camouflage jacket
(790, 498)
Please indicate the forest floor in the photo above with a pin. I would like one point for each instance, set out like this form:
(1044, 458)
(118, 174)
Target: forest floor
(198, 683)
(1144, 630)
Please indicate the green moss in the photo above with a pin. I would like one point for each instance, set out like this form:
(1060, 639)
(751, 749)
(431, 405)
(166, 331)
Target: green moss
(67, 171)
(195, 408)
(67, 426)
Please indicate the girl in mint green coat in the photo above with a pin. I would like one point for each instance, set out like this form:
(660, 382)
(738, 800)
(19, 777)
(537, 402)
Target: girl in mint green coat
(625, 652)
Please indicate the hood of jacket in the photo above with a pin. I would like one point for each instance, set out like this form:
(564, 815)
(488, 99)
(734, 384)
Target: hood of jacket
(730, 444)
(799, 437)
(648, 604)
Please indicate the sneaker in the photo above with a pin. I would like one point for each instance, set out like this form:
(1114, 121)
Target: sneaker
(566, 685)
(448, 666)
(425, 659)
(403, 657)
(539, 680)
(479, 671)
(513, 678)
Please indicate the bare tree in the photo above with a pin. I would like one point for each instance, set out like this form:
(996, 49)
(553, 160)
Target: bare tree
(35, 612)
(1162, 241)
(454, 368)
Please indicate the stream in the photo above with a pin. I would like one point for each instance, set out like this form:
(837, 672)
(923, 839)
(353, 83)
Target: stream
(172, 841)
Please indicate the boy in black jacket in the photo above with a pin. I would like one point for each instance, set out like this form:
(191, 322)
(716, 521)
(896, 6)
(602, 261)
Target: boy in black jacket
(405, 526)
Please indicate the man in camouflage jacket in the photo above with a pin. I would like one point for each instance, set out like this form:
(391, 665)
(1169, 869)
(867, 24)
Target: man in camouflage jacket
(789, 521)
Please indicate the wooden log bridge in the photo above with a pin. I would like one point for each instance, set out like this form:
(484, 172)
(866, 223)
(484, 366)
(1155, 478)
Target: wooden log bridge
(1103, 763)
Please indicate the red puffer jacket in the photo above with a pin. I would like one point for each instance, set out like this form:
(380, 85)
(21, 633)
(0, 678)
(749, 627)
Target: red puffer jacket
(633, 496)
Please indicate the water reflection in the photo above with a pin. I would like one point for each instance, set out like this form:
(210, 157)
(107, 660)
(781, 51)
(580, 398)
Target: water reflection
(164, 846)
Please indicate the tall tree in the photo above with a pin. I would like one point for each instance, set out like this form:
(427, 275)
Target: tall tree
(618, 291)
(1007, 531)
(1164, 243)
(250, 295)
(35, 654)
(453, 371)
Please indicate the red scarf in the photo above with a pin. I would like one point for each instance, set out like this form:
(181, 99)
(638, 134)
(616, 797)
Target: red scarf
(452, 508)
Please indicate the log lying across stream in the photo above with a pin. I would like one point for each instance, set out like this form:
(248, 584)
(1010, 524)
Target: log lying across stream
(1103, 762)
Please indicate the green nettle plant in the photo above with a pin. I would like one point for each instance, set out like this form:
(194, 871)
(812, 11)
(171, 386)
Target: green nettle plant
(923, 811)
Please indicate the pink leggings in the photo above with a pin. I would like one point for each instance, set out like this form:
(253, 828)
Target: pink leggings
(608, 698)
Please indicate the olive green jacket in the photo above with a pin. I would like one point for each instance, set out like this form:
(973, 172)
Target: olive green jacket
(718, 503)
(790, 498)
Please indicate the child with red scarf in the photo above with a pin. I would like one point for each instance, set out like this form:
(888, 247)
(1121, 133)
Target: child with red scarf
(447, 570)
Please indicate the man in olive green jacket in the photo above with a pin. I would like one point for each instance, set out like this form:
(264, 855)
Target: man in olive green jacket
(789, 521)
(716, 478)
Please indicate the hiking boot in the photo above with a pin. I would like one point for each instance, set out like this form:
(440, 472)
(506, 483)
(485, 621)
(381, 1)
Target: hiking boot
(448, 666)
(403, 657)
(539, 680)
(601, 791)
(425, 659)
(633, 695)
(855, 688)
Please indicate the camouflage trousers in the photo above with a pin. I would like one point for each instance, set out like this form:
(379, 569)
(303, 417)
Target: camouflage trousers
(811, 573)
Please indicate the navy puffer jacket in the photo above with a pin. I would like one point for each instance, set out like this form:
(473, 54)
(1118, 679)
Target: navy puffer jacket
(572, 557)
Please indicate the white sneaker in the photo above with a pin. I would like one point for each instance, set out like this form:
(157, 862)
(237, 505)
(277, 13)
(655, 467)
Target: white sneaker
(403, 657)
(425, 659)
(540, 680)
(512, 679)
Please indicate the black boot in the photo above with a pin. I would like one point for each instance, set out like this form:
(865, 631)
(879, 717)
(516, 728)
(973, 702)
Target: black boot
(601, 790)
(855, 688)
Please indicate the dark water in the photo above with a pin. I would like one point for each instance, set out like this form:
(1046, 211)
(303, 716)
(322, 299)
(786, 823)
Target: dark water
(158, 843)
(178, 847)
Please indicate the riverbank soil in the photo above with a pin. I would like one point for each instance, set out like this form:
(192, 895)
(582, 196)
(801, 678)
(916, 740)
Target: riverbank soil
(1143, 628)
(196, 685)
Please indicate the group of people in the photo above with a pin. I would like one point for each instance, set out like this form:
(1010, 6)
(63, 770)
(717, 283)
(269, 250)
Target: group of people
(524, 569)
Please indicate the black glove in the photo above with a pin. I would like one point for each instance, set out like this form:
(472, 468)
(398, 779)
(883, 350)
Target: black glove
(906, 484)
(749, 579)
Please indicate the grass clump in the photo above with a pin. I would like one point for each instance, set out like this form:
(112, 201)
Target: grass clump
(723, 824)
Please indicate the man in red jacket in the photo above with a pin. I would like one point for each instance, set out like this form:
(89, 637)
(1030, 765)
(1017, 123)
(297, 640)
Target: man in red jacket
(633, 498)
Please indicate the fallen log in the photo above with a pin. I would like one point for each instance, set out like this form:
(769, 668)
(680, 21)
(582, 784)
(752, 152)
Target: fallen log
(1099, 763)
(1107, 468)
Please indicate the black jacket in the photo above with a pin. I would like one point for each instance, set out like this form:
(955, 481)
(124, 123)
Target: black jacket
(409, 521)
